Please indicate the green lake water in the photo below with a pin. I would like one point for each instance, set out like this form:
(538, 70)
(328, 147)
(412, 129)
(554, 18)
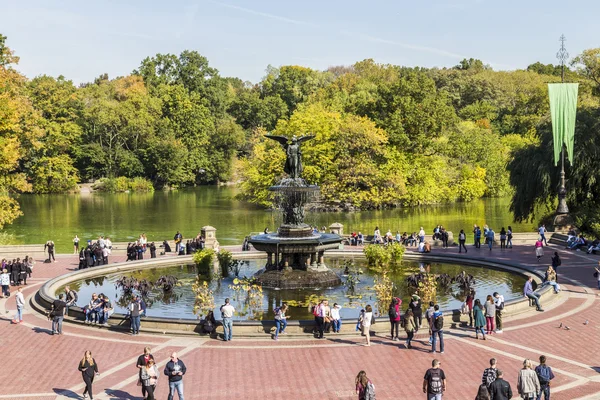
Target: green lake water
(125, 216)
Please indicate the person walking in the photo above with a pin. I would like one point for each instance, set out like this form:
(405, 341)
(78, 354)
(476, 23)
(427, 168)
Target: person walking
(530, 294)
(227, 311)
(489, 374)
(462, 238)
(76, 245)
(490, 314)
(20, 300)
(149, 377)
(434, 381)
(542, 231)
(479, 319)
(409, 328)
(367, 319)
(175, 369)
(490, 237)
(528, 383)
(500, 389)
(394, 314)
(88, 369)
(437, 329)
(545, 375)
(499, 302)
(509, 237)
(57, 314)
(539, 249)
(142, 361)
(364, 387)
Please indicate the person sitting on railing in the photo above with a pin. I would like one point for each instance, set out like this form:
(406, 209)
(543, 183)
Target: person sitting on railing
(107, 310)
(412, 239)
(360, 239)
(580, 242)
(550, 279)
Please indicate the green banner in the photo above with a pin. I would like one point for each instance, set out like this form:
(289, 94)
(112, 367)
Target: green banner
(563, 109)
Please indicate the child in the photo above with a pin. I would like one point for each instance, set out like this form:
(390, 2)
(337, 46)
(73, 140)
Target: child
(360, 318)
(336, 319)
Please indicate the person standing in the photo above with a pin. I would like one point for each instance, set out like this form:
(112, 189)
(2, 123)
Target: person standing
(416, 306)
(227, 311)
(409, 328)
(142, 361)
(530, 294)
(437, 329)
(490, 237)
(177, 238)
(539, 249)
(476, 238)
(281, 320)
(152, 250)
(502, 238)
(149, 377)
(556, 262)
(434, 381)
(5, 282)
(57, 314)
(545, 375)
(490, 314)
(479, 319)
(509, 238)
(367, 320)
(469, 302)
(20, 306)
(76, 245)
(175, 369)
(88, 369)
(49, 246)
(364, 387)
(499, 302)
(528, 383)
(135, 314)
(462, 238)
(421, 235)
(500, 389)
(394, 314)
(542, 231)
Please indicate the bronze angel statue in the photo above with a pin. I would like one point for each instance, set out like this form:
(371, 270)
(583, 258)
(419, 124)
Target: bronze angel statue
(293, 162)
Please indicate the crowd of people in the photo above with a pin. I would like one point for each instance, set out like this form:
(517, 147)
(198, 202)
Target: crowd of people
(15, 273)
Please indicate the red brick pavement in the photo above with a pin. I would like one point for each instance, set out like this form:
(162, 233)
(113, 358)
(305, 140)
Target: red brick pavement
(312, 369)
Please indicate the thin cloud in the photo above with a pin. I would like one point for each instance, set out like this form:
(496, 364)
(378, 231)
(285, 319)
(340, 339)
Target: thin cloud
(262, 14)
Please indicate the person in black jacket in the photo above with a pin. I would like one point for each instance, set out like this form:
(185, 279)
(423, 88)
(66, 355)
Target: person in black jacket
(89, 369)
(152, 250)
(175, 369)
(500, 389)
(416, 306)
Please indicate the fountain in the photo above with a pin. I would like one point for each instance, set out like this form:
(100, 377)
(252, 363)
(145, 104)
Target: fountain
(295, 252)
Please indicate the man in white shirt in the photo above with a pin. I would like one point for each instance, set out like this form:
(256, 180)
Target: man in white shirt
(499, 302)
(227, 311)
(542, 232)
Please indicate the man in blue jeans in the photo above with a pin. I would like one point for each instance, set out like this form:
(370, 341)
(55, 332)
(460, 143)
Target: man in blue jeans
(175, 369)
(529, 293)
(227, 311)
(437, 328)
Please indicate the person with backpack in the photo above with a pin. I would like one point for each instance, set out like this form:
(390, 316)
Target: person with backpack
(437, 329)
(280, 320)
(434, 381)
(499, 302)
(545, 375)
(500, 389)
(528, 383)
(364, 387)
(490, 374)
(462, 238)
(556, 262)
(394, 314)
(428, 315)
(409, 328)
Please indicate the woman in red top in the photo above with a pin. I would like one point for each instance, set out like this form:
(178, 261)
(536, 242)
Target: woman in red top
(394, 314)
(539, 248)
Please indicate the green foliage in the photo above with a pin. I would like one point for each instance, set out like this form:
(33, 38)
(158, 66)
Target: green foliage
(204, 260)
(123, 184)
(384, 259)
(204, 300)
(54, 175)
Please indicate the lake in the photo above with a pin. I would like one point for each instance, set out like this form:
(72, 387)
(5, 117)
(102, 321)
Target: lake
(124, 216)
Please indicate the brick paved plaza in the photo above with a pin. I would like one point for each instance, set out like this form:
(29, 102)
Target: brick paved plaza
(39, 366)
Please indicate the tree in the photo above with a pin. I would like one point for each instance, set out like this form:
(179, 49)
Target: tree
(588, 65)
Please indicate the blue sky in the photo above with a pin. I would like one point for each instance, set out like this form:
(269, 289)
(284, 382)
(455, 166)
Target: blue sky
(83, 39)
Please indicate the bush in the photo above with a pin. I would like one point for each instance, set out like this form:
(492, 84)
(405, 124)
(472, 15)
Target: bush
(384, 258)
(123, 184)
(204, 259)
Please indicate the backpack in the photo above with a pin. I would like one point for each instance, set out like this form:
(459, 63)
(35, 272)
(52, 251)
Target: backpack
(392, 312)
(543, 373)
(315, 310)
(500, 307)
(490, 376)
(369, 391)
(435, 381)
(439, 323)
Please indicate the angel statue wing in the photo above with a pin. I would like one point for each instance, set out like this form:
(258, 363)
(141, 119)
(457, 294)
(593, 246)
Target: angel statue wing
(281, 139)
(305, 138)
